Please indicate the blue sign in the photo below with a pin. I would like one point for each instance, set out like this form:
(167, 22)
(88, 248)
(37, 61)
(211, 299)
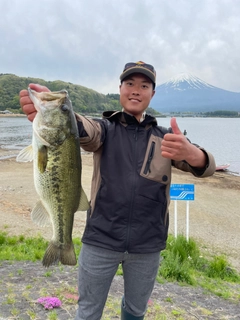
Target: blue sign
(182, 192)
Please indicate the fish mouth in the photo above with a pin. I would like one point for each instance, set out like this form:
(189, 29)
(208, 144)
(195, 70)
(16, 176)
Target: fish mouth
(51, 98)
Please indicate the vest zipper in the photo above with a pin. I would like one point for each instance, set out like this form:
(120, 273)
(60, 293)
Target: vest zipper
(135, 137)
(150, 157)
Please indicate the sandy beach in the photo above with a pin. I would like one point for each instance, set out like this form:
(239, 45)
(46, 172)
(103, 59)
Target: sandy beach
(214, 214)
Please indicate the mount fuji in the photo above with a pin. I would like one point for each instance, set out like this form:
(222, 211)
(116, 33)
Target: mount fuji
(187, 93)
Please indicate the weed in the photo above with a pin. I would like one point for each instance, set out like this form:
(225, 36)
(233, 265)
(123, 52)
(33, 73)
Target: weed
(52, 315)
(31, 314)
(176, 313)
(178, 258)
(26, 295)
(20, 272)
(43, 292)
(15, 312)
(206, 312)
(113, 308)
(119, 270)
(3, 236)
(218, 268)
(155, 311)
(77, 245)
(28, 286)
(10, 299)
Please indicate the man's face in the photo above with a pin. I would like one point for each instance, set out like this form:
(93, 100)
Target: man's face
(136, 91)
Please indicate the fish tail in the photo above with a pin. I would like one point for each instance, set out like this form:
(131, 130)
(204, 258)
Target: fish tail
(68, 256)
(52, 254)
(55, 253)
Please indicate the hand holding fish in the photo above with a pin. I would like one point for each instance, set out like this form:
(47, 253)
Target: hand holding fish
(26, 103)
(176, 146)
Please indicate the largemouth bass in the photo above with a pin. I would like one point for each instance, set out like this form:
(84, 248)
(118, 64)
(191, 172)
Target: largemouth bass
(55, 152)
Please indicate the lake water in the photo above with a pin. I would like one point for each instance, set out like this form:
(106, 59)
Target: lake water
(220, 136)
(15, 132)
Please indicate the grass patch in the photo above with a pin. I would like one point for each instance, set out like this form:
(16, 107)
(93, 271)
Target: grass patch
(21, 248)
(181, 262)
(18, 248)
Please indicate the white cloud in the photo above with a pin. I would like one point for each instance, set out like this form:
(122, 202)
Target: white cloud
(88, 42)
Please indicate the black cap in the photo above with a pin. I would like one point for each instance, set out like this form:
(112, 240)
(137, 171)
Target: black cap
(139, 67)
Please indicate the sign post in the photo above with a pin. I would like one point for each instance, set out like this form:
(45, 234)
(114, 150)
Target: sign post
(182, 192)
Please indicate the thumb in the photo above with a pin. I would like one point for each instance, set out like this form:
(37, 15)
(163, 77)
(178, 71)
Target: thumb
(38, 87)
(174, 125)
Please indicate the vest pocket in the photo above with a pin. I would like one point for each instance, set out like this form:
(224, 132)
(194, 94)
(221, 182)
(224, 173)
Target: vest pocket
(155, 167)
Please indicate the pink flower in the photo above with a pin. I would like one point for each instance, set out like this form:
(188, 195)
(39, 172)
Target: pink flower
(49, 302)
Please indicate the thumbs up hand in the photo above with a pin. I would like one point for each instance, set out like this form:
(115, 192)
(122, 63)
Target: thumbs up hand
(176, 146)
(174, 125)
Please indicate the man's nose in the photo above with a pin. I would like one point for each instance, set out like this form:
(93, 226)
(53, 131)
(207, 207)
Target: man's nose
(135, 90)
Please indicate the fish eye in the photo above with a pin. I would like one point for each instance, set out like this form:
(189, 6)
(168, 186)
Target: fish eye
(64, 107)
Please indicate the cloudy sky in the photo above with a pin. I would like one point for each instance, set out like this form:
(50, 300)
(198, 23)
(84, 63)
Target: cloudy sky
(87, 42)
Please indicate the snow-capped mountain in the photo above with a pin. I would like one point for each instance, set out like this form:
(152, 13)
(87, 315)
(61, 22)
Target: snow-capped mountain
(186, 92)
(184, 81)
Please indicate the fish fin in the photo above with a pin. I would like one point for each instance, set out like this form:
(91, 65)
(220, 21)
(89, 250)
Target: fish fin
(52, 254)
(83, 202)
(68, 256)
(25, 155)
(38, 138)
(40, 215)
(42, 158)
(55, 253)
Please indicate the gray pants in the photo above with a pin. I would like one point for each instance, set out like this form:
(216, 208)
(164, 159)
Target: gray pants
(97, 267)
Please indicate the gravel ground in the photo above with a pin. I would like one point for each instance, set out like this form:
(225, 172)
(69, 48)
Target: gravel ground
(22, 283)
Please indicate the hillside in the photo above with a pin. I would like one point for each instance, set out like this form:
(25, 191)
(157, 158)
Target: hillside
(187, 93)
(84, 100)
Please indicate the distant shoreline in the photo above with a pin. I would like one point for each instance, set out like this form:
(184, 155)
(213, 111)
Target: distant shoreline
(156, 116)
(12, 115)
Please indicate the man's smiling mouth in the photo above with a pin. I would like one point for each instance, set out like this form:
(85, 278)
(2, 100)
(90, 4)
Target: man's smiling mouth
(134, 99)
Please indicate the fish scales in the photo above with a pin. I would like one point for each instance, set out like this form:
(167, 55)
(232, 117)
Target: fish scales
(56, 186)
(56, 156)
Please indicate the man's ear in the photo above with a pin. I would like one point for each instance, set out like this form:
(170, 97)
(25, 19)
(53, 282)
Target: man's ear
(153, 93)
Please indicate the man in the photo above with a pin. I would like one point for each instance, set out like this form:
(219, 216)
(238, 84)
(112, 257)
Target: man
(128, 220)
